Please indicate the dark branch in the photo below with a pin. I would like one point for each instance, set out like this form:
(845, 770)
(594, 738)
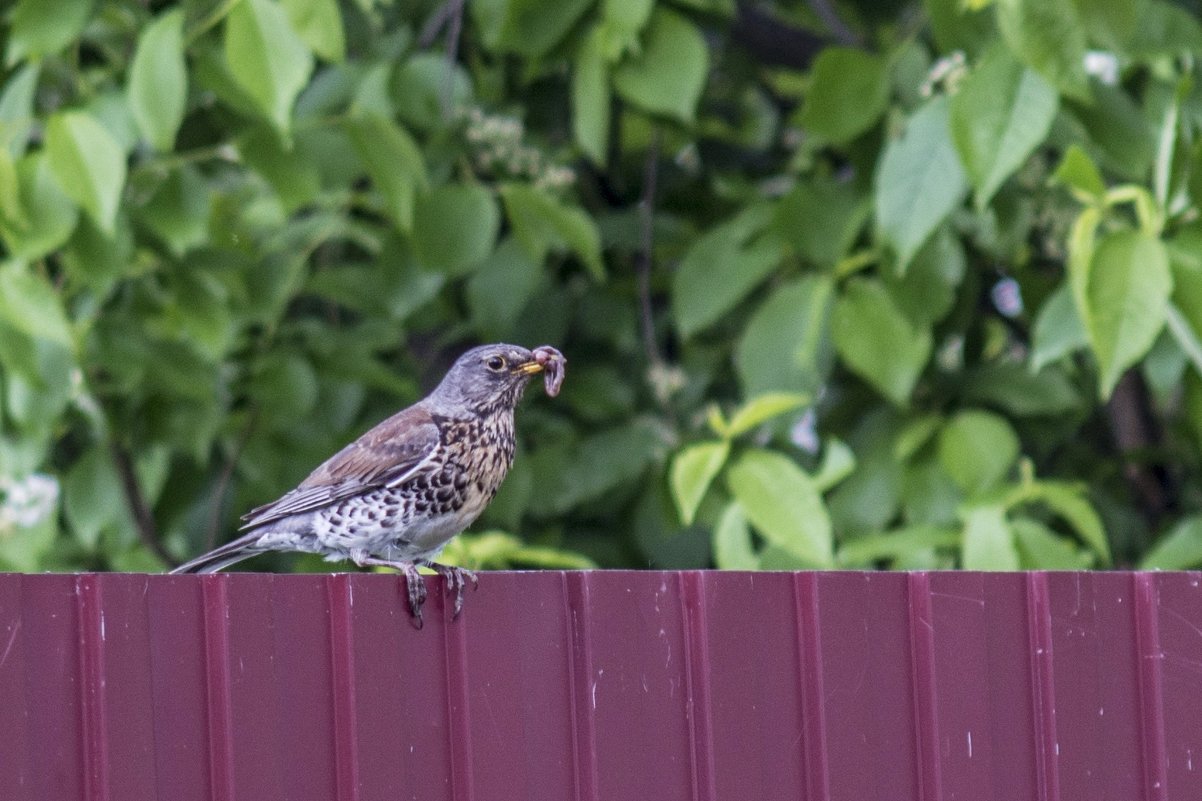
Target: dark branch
(139, 509)
(1137, 434)
(449, 16)
(838, 28)
(223, 481)
(775, 43)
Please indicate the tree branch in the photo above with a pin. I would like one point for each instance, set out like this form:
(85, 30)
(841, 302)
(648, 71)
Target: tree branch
(1137, 433)
(139, 509)
(773, 42)
(223, 480)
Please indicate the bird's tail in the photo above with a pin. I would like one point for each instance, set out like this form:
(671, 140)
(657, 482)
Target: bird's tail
(223, 557)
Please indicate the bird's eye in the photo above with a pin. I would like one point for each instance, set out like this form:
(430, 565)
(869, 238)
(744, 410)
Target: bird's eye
(496, 363)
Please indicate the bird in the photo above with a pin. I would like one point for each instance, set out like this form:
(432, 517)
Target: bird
(397, 494)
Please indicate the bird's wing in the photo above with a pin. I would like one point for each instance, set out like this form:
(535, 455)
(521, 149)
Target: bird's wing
(394, 450)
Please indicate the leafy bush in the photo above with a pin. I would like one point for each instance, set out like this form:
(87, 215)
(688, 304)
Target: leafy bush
(865, 284)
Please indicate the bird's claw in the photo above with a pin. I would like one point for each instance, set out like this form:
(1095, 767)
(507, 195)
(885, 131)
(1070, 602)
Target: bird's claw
(416, 587)
(457, 579)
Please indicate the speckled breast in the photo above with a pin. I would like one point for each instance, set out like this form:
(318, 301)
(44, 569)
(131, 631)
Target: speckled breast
(481, 452)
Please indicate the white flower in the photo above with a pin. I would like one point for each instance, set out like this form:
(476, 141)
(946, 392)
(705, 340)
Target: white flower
(1102, 65)
(26, 502)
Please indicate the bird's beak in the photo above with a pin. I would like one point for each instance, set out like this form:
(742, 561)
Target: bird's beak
(530, 368)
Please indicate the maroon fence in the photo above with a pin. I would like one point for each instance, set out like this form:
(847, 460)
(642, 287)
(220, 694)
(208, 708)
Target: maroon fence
(603, 686)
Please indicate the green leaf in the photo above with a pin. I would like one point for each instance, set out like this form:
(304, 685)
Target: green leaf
(872, 548)
(988, 540)
(1058, 330)
(178, 212)
(288, 385)
(733, 549)
(1002, 112)
(542, 223)
(93, 497)
(977, 449)
(627, 15)
(1078, 171)
(929, 495)
(500, 288)
(1126, 141)
(722, 267)
(1048, 36)
(1179, 549)
(198, 313)
(1185, 254)
(88, 164)
(420, 89)
(31, 305)
(528, 28)
(763, 408)
(1082, 239)
(267, 59)
(838, 462)
(292, 172)
(11, 212)
(158, 80)
(599, 463)
(48, 215)
(783, 504)
(1040, 548)
(16, 108)
(1127, 293)
(876, 341)
(1164, 29)
(591, 99)
(394, 162)
(926, 291)
(42, 28)
(922, 163)
(693, 468)
(849, 90)
(957, 25)
(455, 227)
(668, 75)
(821, 219)
(915, 434)
(784, 346)
(1070, 502)
(319, 23)
(1020, 391)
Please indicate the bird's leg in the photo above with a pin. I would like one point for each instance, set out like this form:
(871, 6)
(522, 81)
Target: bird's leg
(417, 591)
(414, 583)
(456, 578)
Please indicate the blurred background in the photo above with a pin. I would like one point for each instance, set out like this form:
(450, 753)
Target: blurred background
(855, 284)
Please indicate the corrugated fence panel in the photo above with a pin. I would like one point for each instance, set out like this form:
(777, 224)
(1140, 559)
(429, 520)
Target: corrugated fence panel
(603, 686)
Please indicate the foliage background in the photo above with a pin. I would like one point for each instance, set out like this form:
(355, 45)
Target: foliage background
(841, 283)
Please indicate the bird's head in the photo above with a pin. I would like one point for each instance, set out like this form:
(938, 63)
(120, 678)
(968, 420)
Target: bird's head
(488, 376)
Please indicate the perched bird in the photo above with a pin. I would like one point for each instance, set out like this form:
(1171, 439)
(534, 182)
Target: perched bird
(397, 495)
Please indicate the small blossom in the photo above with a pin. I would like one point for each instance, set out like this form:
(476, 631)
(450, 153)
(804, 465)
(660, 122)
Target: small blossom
(804, 433)
(945, 74)
(1007, 297)
(1102, 65)
(26, 502)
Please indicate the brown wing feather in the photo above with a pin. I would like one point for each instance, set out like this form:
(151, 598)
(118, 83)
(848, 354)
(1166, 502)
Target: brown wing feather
(386, 453)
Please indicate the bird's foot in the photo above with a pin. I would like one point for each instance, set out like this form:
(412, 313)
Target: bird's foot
(415, 585)
(457, 579)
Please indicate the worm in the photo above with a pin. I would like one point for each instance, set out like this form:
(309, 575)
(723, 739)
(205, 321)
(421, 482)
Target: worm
(554, 365)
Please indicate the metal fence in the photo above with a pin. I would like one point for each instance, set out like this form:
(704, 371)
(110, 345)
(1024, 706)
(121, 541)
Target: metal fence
(603, 686)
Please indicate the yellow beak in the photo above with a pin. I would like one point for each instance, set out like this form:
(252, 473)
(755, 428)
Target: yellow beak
(530, 368)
